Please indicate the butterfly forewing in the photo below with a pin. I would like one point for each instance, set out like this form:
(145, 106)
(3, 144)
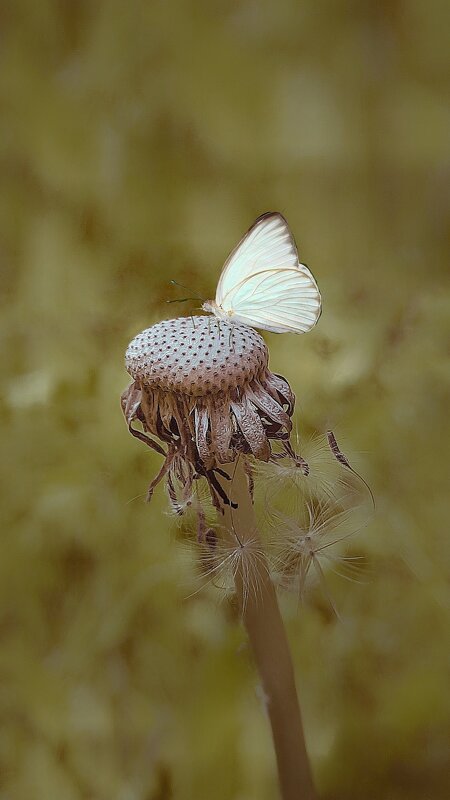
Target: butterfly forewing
(268, 244)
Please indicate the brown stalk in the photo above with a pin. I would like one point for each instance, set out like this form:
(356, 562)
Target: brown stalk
(270, 647)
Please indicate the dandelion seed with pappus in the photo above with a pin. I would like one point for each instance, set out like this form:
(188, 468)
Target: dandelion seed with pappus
(307, 545)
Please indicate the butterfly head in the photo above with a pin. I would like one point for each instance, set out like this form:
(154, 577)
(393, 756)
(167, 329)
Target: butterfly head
(208, 306)
(213, 308)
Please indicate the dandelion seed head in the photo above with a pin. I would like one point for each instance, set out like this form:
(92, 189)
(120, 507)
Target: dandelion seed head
(204, 390)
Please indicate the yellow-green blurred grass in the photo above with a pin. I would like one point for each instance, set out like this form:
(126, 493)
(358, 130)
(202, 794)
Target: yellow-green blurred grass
(138, 143)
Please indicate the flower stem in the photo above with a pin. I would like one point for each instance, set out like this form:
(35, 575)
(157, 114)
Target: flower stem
(267, 635)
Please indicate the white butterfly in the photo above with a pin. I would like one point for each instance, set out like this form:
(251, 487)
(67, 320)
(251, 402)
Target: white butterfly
(263, 283)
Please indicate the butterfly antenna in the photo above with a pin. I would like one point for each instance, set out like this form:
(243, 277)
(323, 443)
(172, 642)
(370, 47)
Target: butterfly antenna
(339, 456)
(181, 299)
(197, 296)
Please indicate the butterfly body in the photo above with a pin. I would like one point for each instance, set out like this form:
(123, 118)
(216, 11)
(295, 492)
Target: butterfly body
(264, 285)
(212, 307)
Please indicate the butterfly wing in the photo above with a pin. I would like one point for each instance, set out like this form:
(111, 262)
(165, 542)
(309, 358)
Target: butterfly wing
(263, 283)
(268, 244)
(278, 300)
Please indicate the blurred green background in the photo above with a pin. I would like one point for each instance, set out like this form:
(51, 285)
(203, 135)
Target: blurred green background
(138, 142)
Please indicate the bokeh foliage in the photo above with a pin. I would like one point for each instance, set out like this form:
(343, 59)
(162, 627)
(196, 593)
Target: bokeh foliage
(138, 142)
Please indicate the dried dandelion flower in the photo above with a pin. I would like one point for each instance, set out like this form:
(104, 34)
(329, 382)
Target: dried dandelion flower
(206, 400)
(205, 391)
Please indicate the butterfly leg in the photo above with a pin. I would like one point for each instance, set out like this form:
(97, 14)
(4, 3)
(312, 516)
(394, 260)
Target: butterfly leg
(230, 339)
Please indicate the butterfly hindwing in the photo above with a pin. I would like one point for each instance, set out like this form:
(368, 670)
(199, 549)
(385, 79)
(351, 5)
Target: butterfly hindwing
(279, 300)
